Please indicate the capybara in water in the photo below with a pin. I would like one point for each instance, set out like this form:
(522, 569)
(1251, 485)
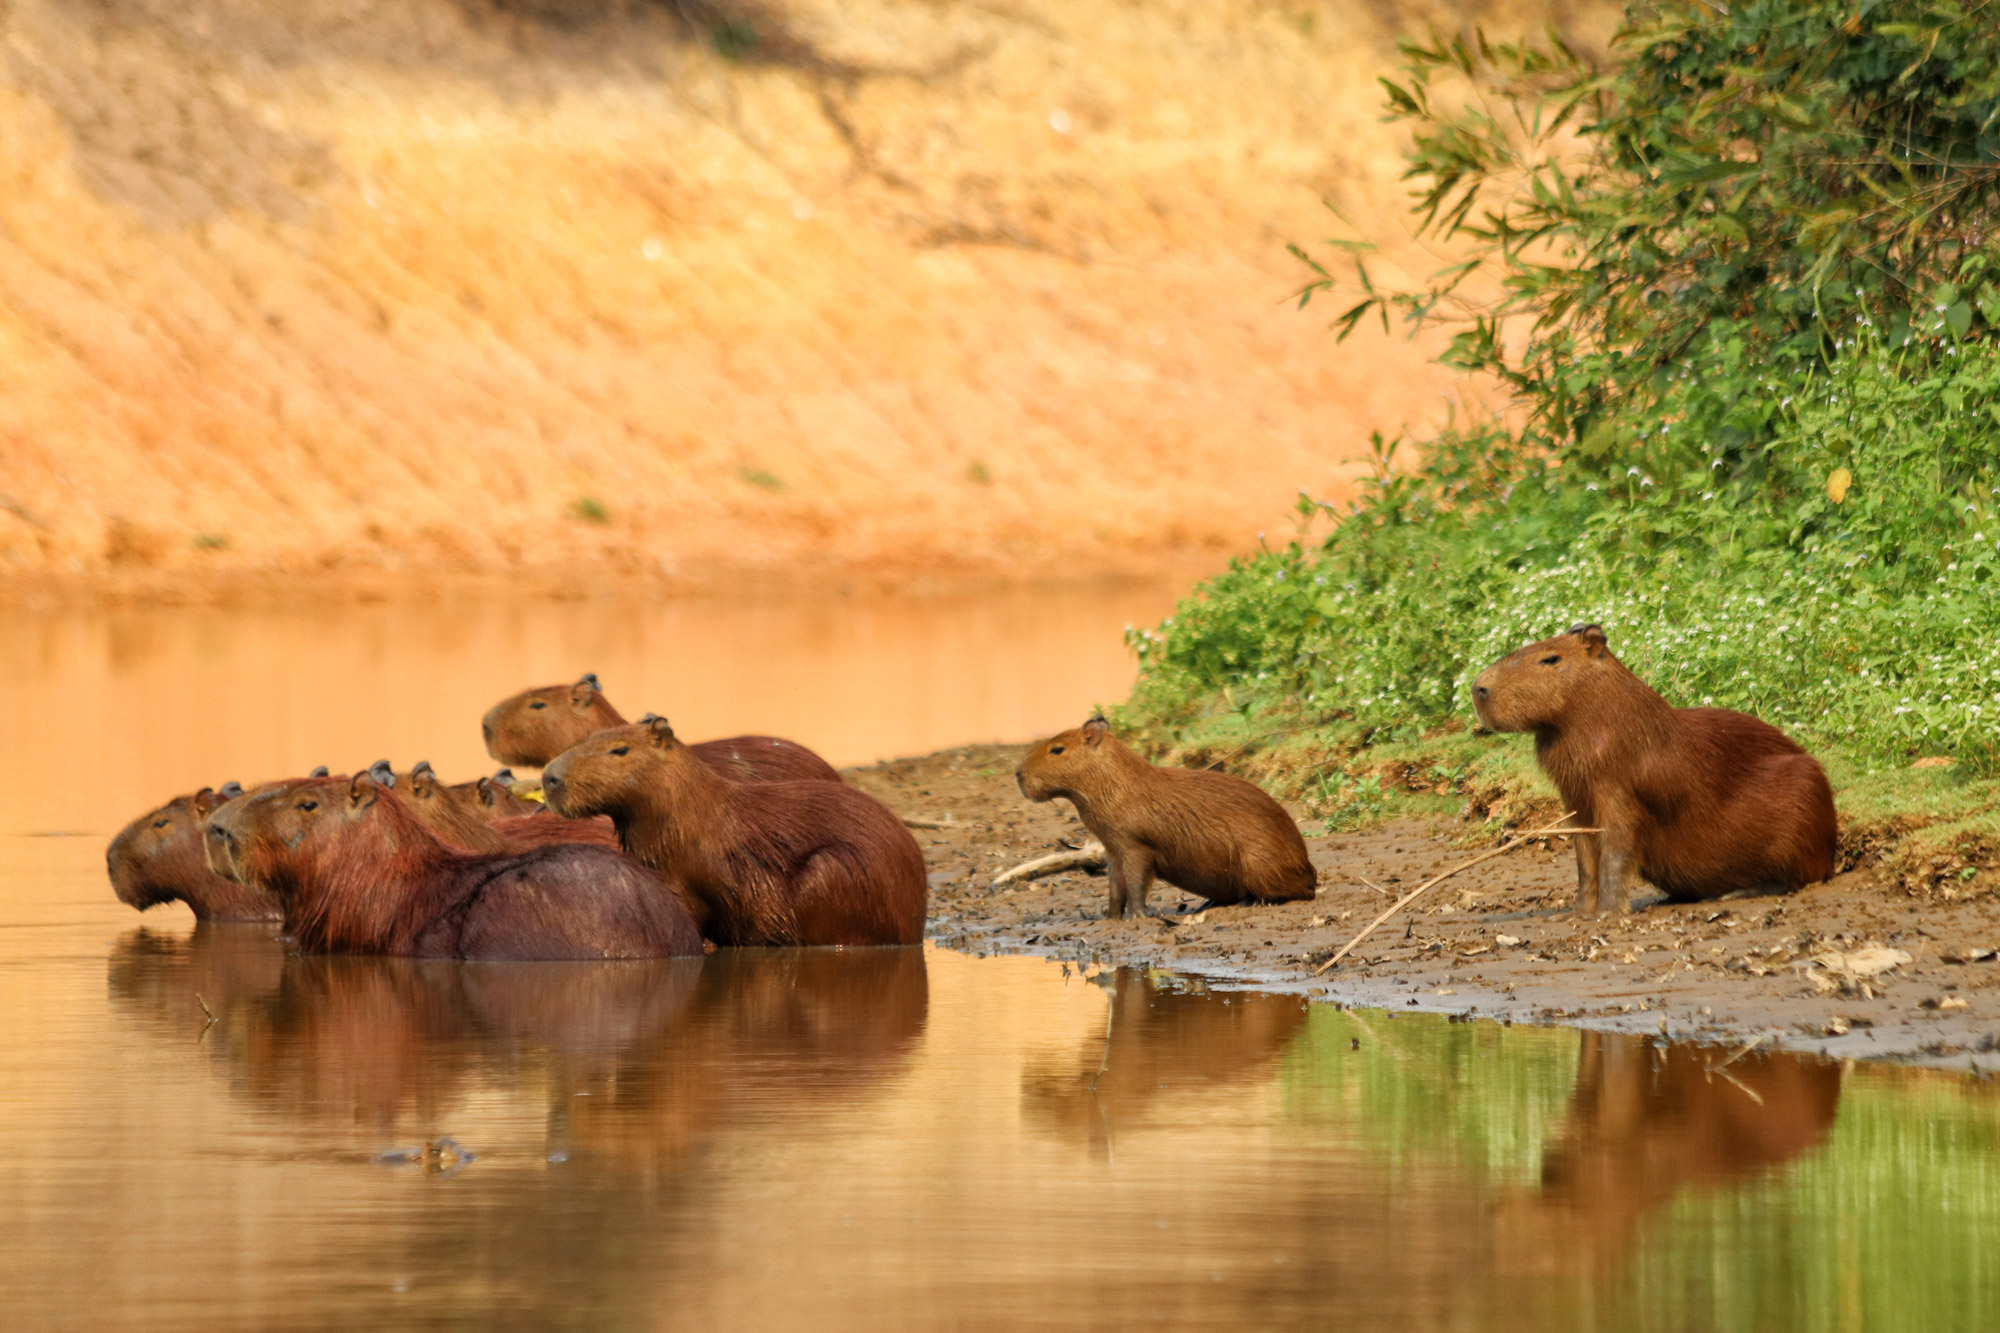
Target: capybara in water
(767, 862)
(485, 816)
(358, 872)
(1206, 832)
(158, 858)
(1700, 802)
(536, 725)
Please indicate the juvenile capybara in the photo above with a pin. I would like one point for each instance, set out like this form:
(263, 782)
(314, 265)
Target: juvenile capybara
(158, 858)
(1209, 833)
(484, 816)
(536, 725)
(1700, 802)
(767, 862)
(357, 872)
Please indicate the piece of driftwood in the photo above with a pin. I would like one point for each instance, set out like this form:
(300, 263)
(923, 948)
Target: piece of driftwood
(1555, 830)
(1089, 855)
(919, 821)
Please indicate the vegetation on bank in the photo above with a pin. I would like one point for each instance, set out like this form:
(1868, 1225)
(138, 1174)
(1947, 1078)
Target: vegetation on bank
(1742, 284)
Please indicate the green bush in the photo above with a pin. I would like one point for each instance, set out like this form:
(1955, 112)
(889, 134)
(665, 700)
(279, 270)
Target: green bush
(1767, 467)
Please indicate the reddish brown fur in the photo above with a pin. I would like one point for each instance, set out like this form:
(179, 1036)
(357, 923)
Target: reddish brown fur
(358, 872)
(1206, 832)
(767, 862)
(484, 816)
(1700, 802)
(158, 858)
(535, 726)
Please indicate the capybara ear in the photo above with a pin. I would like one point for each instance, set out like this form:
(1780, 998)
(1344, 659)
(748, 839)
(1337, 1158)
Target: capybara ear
(321, 772)
(584, 692)
(423, 779)
(1592, 636)
(228, 791)
(383, 773)
(203, 802)
(661, 731)
(505, 778)
(362, 791)
(490, 791)
(1096, 729)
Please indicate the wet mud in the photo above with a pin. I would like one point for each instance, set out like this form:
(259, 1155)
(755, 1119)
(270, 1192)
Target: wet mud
(1496, 941)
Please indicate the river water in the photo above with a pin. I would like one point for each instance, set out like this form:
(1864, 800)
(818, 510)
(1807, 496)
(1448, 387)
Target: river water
(202, 1132)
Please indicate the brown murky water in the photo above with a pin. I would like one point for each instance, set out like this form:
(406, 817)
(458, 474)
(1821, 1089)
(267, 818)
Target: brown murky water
(201, 1132)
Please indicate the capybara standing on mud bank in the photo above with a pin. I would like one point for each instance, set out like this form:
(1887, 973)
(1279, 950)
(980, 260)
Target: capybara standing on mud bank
(1699, 801)
(1206, 832)
(357, 872)
(767, 862)
(536, 725)
(158, 858)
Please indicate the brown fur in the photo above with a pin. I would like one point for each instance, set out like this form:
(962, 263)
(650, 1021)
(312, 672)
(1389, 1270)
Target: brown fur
(1700, 802)
(358, 872)
(485, 816)
(158, 858)
(767, 862)
(536, 725)
(1208, 833)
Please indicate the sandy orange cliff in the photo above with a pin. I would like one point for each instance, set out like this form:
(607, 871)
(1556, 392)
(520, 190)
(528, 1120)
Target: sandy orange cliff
(548, 287)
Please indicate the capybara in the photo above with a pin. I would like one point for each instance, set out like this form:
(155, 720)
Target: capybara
(1206, 832)
(358, 872)
(536, 725)
(158, 858)
(767, 862)
(1700, 802)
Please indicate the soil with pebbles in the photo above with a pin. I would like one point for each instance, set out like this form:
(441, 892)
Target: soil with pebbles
(1496, 941)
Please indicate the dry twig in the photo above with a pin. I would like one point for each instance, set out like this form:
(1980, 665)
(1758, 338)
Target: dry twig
(1090, 854)
(1547, 831)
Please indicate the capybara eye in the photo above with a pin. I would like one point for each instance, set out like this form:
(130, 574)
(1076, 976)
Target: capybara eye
(1552, 659)
(623, 749)
(308, 805)
(1056, 749)
(161, 823)
(538, 704)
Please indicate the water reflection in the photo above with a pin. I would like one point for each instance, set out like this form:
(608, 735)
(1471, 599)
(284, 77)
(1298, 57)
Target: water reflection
(1161, 1043)
(1649, 1121)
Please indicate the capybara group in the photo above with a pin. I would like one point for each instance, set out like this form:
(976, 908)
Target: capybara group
(357, 872)
(766, 862)
(535, 726)
(1209, 833)
(1700, 802)
(158, 858)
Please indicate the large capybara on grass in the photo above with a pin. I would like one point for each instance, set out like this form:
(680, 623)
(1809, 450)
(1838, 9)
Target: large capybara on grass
(1206, 832)
(1700, 802)
(536, 725)
(767, 862)
(158, 858)
(357, 872)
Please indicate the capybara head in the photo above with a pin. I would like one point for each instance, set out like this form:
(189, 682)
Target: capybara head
(163, 848)
(603, 773)
(1052, 767)
(536, 725)
(249, 838)
(1545, 683)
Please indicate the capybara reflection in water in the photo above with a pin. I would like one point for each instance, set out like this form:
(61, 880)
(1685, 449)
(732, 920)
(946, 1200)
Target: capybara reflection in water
(767, 862)
(158, 858)
(1206, 832)
(357, 872)
(1700, 802)
(536, 725)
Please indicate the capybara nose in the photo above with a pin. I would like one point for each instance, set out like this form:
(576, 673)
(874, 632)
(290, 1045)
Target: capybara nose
(1480, 692)
(486, 730)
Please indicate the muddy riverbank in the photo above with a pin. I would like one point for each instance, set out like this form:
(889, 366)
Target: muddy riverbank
(1796, 972)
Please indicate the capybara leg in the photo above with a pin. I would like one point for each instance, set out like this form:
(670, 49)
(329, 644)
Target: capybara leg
(1614, 877)
(1131, 877)
(1586, 873)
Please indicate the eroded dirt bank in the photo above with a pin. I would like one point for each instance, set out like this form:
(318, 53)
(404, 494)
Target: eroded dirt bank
(1492, 941)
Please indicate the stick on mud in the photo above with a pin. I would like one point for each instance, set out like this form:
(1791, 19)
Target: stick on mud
(1548, 830)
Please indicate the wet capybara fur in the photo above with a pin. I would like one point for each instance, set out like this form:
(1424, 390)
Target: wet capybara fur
(158, 858)
(536, 725)
(1699, 802)
(357, 872)
(1208, 833)
(767, 862)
